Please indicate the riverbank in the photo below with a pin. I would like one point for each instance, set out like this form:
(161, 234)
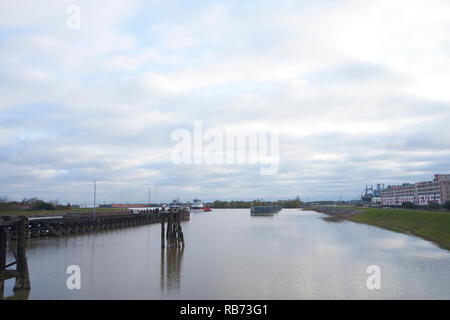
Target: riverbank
(430, 225)
(337, 213)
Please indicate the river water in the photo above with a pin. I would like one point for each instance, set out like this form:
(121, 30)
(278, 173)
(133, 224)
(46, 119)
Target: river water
(231, 255)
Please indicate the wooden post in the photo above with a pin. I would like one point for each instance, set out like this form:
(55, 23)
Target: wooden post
(23, 278)
(172, 230)
(2, 257)
(169, 229)
(180, 231)
(162, 230)
(175, 229)
(2, 249)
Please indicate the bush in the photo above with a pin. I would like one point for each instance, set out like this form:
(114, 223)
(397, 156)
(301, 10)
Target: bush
(447, 205)
(433, 205)
(408, 205)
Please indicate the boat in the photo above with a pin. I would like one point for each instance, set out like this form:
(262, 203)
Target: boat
(198, 206)
(264, 210)
(176, 204)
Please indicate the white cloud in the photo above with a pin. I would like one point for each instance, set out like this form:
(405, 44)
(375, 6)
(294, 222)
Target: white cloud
(357, 90)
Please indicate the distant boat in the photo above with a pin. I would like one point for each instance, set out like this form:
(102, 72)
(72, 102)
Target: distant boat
(176, 204)
(264, 210)
(198, 206)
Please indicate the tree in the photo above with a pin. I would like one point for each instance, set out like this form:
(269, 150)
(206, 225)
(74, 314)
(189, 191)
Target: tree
(38, 204)
(45, 206)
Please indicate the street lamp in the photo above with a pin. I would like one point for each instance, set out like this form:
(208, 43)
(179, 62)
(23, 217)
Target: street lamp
(149, 198)
(95, 194)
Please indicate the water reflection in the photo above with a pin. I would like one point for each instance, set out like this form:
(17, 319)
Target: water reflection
(171, 260)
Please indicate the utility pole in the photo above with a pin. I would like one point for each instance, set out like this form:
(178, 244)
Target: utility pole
(149, 201)
(156, 199)
(95, 195)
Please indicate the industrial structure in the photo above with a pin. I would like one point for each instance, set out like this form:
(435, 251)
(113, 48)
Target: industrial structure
(420, 193)
(371, 195)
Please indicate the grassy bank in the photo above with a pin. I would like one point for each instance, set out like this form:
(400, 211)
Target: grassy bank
(429, 225)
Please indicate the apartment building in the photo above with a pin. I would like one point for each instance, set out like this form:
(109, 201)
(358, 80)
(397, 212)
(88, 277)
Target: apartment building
(420, 193)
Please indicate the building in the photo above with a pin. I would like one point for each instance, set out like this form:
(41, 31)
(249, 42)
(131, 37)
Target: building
(86, 206)
(114, 205)
(444, 186)
(376, 200)
(420, 193)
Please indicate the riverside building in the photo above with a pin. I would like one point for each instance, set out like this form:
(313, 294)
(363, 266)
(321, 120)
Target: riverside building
(420, 193)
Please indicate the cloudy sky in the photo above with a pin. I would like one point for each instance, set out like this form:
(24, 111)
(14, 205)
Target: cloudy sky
(358, 92)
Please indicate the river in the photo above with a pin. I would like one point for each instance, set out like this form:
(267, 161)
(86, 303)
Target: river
(231, 255)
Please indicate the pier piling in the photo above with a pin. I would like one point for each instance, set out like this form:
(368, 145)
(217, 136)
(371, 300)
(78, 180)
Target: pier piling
(174, 233)
(2, 257)
(19, 229)
(23, 278)
(162, 230)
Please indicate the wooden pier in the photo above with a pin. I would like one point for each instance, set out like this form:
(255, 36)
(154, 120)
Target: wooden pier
(14, 232)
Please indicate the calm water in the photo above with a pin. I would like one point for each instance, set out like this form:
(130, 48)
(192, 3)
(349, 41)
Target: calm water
(230, 255)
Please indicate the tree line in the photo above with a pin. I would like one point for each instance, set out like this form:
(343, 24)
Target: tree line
(31, 204)
(429, 206)
(291, 203)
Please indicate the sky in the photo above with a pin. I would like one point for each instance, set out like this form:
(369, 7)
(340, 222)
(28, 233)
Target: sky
(357, 92)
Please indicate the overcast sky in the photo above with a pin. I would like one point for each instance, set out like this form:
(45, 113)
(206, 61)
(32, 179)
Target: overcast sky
(358, 91)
